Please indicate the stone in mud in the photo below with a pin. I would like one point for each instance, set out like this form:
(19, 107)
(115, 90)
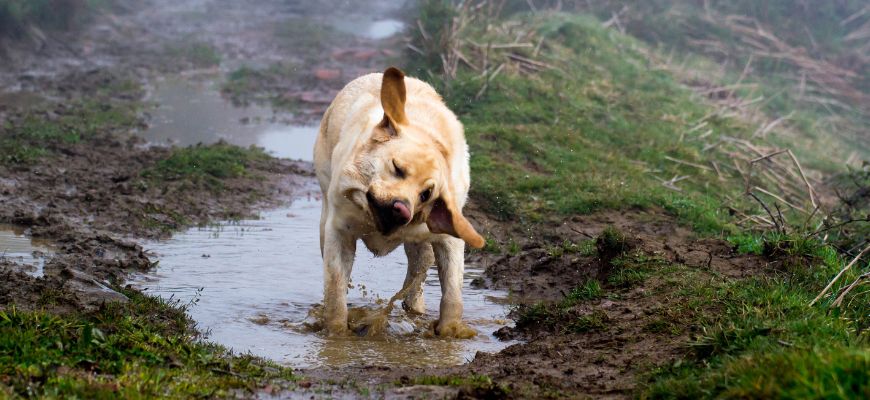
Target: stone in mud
(90, 292)
(327, 74)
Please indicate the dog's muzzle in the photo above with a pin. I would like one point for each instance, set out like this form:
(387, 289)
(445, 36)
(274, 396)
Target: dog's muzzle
(389, 215)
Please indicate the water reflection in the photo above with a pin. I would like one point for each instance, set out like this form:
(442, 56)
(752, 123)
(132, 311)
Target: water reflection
(17, 247)
(191, 111)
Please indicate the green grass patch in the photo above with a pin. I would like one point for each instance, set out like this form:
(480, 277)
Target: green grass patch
(266, 85)
(27, 139)
(760, 339)
(143, 349)
(206, 164)
(596, 132)
(200, 55)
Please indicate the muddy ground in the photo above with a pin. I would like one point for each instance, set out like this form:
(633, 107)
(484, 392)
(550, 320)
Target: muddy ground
(94, 200)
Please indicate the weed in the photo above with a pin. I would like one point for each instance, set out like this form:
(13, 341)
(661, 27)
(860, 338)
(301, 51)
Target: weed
(588, 291)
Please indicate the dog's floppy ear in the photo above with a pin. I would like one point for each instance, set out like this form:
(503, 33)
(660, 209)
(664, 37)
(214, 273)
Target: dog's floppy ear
(393, 97)
(446, 217)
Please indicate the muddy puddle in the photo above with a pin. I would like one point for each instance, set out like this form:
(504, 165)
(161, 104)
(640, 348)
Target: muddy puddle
(252, 285)
(191, 110)
(368, 28)
(17, 247)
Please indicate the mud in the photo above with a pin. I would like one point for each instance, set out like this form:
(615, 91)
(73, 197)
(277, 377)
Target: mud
(607, 362)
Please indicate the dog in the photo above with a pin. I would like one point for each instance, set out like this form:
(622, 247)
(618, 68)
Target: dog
(392, 163)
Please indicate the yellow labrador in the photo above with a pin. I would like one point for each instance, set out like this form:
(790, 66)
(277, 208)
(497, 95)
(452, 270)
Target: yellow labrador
(392, 162)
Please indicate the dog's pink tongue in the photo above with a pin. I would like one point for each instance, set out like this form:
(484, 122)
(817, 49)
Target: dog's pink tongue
(402, 210)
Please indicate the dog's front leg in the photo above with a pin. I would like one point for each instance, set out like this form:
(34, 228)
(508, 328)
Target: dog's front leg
(450, 259)
(338, 253)
(420, 258)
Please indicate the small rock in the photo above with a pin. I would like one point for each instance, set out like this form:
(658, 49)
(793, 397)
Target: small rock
(326, 74)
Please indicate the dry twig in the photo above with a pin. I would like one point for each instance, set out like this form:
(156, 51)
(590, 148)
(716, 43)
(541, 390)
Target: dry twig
(842, 271)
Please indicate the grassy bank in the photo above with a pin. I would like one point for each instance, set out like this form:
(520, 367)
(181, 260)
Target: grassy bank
(145, 349)
(593, 131)
(567, 117)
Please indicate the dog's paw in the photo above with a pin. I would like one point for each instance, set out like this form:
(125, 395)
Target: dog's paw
(454, 329)
(415, 307)
(336, 328)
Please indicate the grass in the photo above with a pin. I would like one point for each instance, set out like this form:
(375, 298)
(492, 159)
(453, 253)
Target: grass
(144, 349)
(678, 27)
(308, 38)
(248, 84)
(208, 165)
(764, 342)
(754, 338)
(27, 139)
(592, 134)
(200, 55)
(604, 121)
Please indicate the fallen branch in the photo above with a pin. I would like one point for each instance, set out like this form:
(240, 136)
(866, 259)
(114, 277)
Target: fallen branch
(691, 164)
(773, 219)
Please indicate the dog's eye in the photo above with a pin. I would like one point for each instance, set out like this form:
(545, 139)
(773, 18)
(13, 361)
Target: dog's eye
(425, 195)
(399, 172)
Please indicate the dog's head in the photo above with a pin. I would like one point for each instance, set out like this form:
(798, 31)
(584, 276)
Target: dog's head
(410, 172)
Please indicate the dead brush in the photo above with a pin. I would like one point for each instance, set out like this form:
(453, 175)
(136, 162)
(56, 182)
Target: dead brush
(508, 47)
